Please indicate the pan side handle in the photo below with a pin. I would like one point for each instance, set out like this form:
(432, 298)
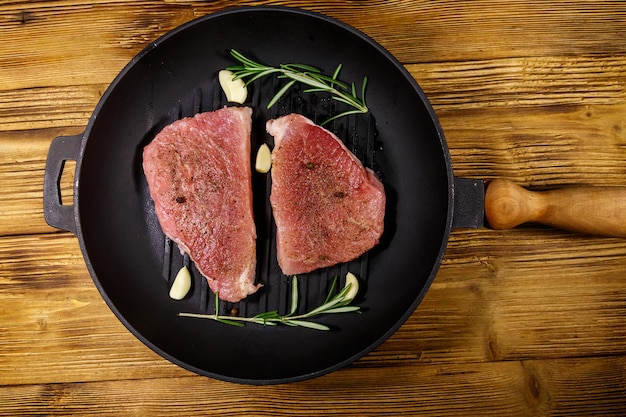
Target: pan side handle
(62, 149)
(469, 203)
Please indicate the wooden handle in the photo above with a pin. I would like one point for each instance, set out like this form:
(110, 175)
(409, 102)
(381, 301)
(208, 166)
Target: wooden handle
(590, 210)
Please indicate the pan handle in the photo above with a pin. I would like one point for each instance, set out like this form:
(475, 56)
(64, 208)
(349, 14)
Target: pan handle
(62, 149)
(590, 210)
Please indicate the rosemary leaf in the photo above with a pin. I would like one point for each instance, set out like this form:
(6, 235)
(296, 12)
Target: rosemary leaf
(308, 324)
(331, 290)
(230, 322)
(280, 93)
(344, 309)
(268, 315)
(336, 73)
(363, 85)
(257, 75)
(264, 322)
(310, 81)
(294, 297)
(314, 90)
(304, 67)
(340, 115)
(321, 309)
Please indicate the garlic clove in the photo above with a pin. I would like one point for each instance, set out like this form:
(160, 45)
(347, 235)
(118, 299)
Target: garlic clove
(181, 285)
(235, 90)
(351, 280)
(263, 159)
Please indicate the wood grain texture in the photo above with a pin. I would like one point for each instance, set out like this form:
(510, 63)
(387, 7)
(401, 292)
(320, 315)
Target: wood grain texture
(512, 388)
(529, 321)
(112, 32)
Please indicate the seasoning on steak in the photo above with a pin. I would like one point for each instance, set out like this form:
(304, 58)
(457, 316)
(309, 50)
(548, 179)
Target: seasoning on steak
(327, 206)
(199, 176)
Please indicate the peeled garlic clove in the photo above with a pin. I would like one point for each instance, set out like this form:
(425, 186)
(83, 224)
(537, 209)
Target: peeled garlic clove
(181, 285)
(354, 286)
(235, 90)
(263, 159)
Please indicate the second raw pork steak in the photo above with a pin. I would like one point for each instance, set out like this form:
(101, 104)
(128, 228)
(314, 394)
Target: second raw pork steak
(327, 206)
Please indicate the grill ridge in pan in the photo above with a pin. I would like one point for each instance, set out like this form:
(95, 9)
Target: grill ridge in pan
(358, 132)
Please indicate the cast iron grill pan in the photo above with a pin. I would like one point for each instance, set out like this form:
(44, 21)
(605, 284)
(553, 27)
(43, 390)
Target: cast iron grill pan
(128, 256)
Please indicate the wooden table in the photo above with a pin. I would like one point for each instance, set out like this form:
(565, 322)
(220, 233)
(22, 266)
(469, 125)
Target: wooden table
(530, 321)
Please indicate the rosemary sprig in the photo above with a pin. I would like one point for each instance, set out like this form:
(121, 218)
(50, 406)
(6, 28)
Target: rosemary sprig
(305, 74)
(333, 304)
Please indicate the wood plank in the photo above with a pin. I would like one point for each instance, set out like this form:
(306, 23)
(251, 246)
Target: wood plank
(48, 107)
(539, 147)
(520, 82)
(112, 33)
(502, 388)
(540, 291)
(485, 304)
(534, 127)
(468, 30)
(560, 84)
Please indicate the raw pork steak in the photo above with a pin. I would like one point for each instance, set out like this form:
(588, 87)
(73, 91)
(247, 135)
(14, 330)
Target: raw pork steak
(328, 208)
(199, 176)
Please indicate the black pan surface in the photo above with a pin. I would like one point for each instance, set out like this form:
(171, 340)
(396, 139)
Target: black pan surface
(131, 262)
